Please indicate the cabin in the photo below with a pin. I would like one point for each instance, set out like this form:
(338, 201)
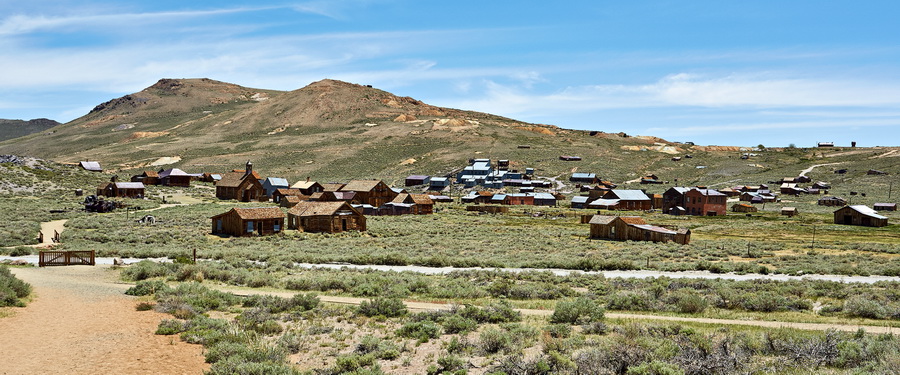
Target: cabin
(308, 187)
(831, 201)
(630, 199)
(211, 177)
(885, 207)
(174, 177)
(147, 178)
(121, 190)
(859, 215)
(243, 222)
(372, 192)
(279, 194)
(634, 228)
(438, 183)
(440, 198)
(743, 207)
(705, 202)
(243, 186)
(544, 199)
(326, 217)
(416, 179)
(789, 211)
(93, 166)
(579, 201)
(422, 204)
(821, 185)
(589, 178)
(730, 192)
(289, 201)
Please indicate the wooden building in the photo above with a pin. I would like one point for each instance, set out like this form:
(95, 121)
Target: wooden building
(325, 217)
(147, 178)
(279, 194)
(705, 202)
(242, 186)
(629, 199)
(242, 222)
(859, 215)
(174, 177)
(121, 190)
(789, 211)
(422, 204)
(372, 192)
(832, 201)
(674, 197)
(743, 207)
(414, 180)
(633, 228)
(885, 207)
(309, 187)
(93, 166)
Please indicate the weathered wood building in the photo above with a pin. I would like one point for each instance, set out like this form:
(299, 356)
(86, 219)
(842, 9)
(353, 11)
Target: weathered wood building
(243, 186)
(422, 204)
(372, 192)
(325, 217)
(634, 228)
(242, 222)
(743, 207)
(859, 215)
(121, 190)
(174, 177)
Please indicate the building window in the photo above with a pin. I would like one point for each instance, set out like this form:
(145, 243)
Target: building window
(276, 227)
(249, 227)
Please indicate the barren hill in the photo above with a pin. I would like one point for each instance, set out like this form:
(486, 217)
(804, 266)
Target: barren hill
(333, 130)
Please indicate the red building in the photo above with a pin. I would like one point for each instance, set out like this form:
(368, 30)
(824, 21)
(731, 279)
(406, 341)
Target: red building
(705, 202)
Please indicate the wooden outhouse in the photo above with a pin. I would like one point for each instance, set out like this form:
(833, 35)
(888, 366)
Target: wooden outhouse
(242, 222)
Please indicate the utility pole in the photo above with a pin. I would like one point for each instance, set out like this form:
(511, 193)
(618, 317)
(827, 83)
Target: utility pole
(748, 250)
(890, 187)
(813, 245)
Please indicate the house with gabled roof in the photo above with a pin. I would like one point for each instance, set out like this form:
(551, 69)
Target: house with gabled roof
(114, 189)
(859, 215)
(242, 222)
(416, 179)
(634, 228)
(147, 178)
(280, 194)
(674, 197)
(326, 217)
(270, 184)
(242, 186)
(174, 177)
(422, 204)
(630, 199)
(309, 187)
(332, 186)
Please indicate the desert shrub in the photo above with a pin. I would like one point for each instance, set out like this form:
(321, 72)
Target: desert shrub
(654, 368)
(12, 290)
(231, 366)
(688, 301)
(493, 340)
(171, 327)
(558, 330)
(496, 312)
(20, 251)
(146, 288)
(193, 296)
(207, 331)
(578, 311)
(422, 330)
(458, 324)
(594, 328)
(144, 306)
(386, 307)
(864, 307)
(292, 342)
(275, 304)
(629, 300)
(146, 269)
(448, 364)
(379, 348)
(516, 364)
(355, 364)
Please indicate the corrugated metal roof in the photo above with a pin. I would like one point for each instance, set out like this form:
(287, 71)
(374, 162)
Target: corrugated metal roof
(173, 172)
(91, 166)
(416, 177)
(866, 210)
(583, 175)
(580, 199)
(439, 179)
(604, 202)
(129, 185)
(277, 181)
(630, 195)
(653, 228)
(543, 196)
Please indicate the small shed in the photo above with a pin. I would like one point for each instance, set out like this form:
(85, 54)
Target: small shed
(242, 222)
(121, 190)
(743, 207)
(859, 215)
(831, 201)
(885, 207)
(174, 177)
(789, 211)
(416, 179)
(280, 194)
(579, 201)
(308, 187)
(147, 178)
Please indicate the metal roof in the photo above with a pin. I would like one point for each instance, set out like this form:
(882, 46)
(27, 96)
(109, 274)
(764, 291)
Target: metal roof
(543, 196)
(129, 185)
(866, 210)
(580, 199)
(277, 181)
(583, 175)
(91, 166)
(173, 172)
(604, 202)
(630, 195)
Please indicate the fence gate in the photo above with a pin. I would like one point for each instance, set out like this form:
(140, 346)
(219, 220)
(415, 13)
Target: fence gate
(66, 258)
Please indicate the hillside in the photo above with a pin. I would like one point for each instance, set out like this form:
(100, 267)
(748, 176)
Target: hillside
(10, 129)
(333, 130)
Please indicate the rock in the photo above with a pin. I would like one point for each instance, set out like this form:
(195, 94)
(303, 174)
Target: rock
(118, 262)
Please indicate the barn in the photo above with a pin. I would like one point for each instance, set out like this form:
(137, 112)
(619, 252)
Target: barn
(743, 207)
(633, 228)
(859, 215)
(242, 222)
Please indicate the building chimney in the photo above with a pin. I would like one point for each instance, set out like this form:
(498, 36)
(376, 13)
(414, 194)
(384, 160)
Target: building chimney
(248, 169)
(307, 178)
(114, 178)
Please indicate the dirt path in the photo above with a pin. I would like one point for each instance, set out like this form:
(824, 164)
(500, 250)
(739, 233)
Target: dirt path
(48, 229)
(425, 306)
(80, 322)
(807, 170)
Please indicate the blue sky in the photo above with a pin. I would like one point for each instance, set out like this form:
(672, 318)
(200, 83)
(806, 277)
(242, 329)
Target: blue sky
(711, 72)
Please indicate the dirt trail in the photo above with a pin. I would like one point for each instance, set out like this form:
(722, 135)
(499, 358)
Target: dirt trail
(425, 306)
(807, 170)
(49, 228)
(80, 322)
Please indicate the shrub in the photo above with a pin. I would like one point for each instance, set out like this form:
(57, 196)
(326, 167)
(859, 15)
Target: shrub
(12, 290)
(144, 306)
(448, 364)
(386, 307)
(422, 331)
(654, 368)
(493, 340)
(690, 302)
(628, 300)
(20, 251)
(558, 330)
(146, 288)
(864, 307)
(146, 269)
(580, 311)
(170, 327)
(496, 312)
(458, 324)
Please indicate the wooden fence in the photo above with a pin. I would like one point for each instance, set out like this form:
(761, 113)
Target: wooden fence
(65, 258)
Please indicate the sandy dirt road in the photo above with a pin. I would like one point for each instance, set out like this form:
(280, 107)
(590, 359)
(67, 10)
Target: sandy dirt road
(80, 322)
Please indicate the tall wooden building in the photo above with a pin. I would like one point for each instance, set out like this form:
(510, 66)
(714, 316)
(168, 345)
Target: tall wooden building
(372, 192)
(242, 186)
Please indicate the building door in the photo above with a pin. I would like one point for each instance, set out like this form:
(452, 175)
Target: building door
(344, 225)
(848, 219)
(218, 225)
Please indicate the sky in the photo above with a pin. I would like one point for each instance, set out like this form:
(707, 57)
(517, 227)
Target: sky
(739, 73)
